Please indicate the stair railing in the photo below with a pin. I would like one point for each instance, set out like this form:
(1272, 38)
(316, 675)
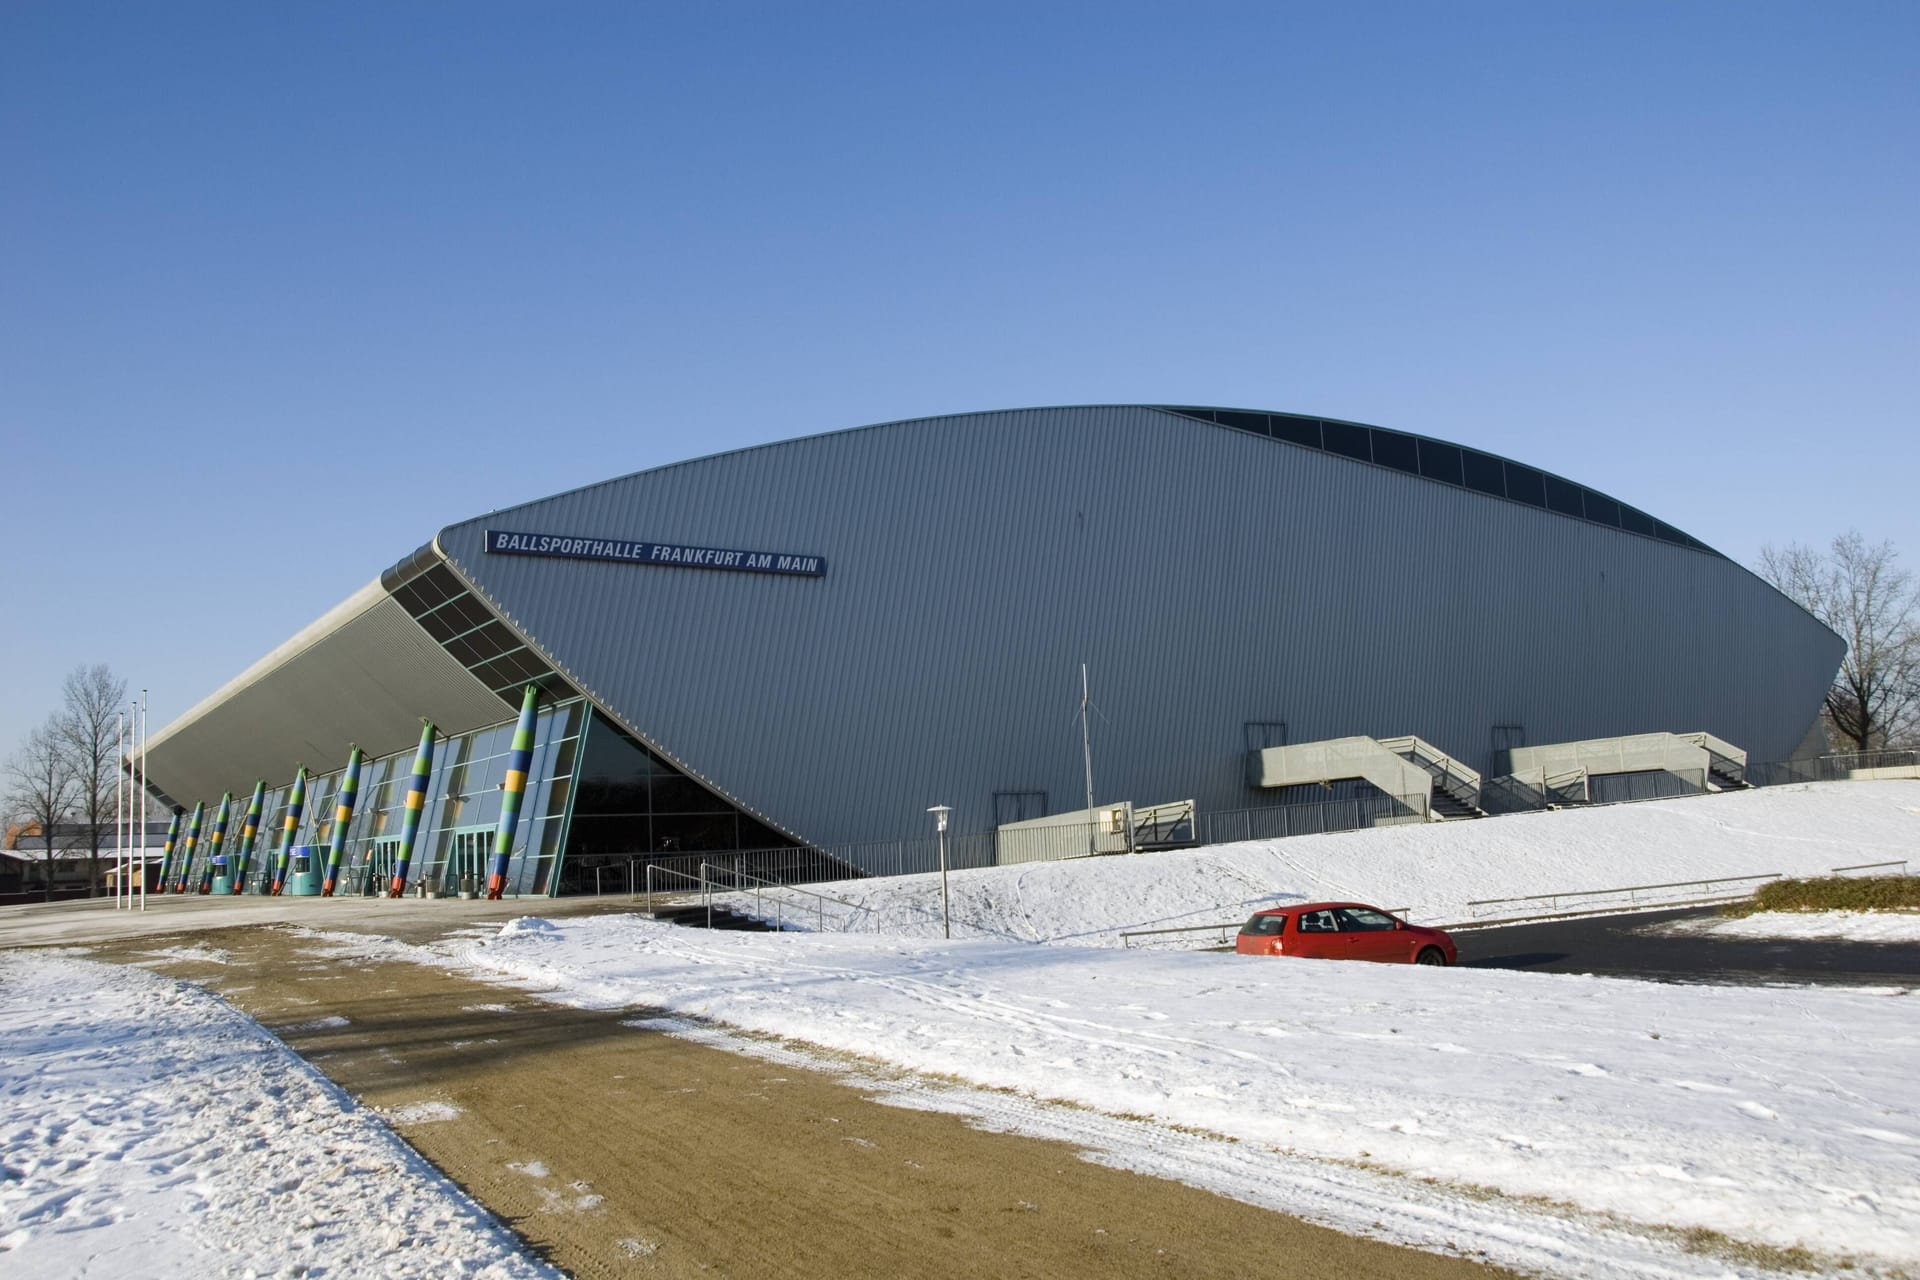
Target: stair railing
(759, 887)
(669, 874)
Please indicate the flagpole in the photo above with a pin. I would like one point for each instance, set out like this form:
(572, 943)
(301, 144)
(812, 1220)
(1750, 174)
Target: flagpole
(143, 806)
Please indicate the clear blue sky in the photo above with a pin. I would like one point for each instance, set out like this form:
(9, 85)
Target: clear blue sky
(284, 288)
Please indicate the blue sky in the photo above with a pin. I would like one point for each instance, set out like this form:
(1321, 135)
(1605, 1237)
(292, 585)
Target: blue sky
(286, 288)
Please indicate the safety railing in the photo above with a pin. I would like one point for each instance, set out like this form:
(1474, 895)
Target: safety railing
(1841, 767)
(1278, 821)
(1900, 864)
(1632, 893)
(667, 876)
(781, 896)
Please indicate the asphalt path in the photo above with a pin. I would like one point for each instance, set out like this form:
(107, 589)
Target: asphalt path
(1637, 946)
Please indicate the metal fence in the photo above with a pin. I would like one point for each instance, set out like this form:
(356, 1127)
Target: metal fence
(1275, 822)
(1834, 768)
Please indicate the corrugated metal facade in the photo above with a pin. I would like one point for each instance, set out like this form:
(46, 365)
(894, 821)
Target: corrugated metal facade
(1208, 577)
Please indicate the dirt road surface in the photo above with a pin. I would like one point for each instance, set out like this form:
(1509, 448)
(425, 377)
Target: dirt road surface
(619, 1151)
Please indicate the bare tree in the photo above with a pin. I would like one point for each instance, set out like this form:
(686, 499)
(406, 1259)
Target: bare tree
(1858, 590)
(89, 733)
(41, 786)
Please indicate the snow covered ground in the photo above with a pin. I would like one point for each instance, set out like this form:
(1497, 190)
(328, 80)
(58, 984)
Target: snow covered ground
(148, 1129)
(1789, 1117)
(1826, 926)
(1437, 871)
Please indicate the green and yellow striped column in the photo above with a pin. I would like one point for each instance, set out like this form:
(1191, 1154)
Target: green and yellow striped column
(518, 763)
(166, 853)
(216, 841)
(249, 833)
(342, 817)
(416, 805)
(296, 801)
(186, 854)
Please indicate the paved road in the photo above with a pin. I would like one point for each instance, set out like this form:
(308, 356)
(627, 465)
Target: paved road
(1635, 946)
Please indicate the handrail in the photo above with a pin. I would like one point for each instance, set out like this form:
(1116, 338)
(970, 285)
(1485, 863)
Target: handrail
(1868, 866)
(669, 871)
(1631, 888)
(760, 884)
(1127, 935)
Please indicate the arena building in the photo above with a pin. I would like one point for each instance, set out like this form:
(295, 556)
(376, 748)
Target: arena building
(804, 646)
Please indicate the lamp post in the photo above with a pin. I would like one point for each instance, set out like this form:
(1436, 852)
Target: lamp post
(940, 812)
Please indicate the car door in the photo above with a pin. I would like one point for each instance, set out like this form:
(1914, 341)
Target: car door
(1316, 935)
(1369, 934)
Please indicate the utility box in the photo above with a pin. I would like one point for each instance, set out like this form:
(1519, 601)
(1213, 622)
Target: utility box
(303, 872)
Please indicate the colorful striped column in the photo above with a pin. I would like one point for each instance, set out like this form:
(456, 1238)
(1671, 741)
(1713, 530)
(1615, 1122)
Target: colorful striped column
(416, 805)
(296, 801)
(186, 854)
(342, 816)
(216, 841)
(249, 833)
(516, 786)
(166, 853)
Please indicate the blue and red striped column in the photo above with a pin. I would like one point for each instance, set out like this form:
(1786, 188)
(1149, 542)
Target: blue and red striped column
(342, 818)
(516, 786)
(416, 806)
(296, 801)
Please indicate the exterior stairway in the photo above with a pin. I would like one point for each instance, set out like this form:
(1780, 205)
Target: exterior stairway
(694, 915)
(1430, 785)
(1456, 788)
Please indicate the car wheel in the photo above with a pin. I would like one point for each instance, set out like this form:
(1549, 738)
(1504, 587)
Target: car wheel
(1431, 955)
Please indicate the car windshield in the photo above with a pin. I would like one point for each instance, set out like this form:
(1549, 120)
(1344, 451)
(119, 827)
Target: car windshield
(1363, 920)
(1264, 925)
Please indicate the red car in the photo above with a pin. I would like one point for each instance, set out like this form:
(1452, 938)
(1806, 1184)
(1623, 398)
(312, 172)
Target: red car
(1343, 931)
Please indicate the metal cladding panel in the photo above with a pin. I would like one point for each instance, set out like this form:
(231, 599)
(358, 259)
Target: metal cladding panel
(368, 676)
(1207, 576)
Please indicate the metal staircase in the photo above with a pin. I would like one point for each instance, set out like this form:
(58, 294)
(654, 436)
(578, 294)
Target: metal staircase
(1456, 788)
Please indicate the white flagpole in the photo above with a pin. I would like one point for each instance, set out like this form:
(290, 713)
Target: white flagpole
(119, 799)
(143, 805)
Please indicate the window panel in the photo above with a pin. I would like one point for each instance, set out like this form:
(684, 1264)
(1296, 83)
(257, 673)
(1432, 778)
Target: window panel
(1347, 440)
(1484, 473)
(1304, 431)
(1440, 462)
(1602, 510)
(1524, 484)
(1254, 422)
(1564, 496)
(1392, 449)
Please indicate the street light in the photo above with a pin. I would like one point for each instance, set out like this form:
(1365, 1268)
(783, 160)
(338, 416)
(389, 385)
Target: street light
(940, 812)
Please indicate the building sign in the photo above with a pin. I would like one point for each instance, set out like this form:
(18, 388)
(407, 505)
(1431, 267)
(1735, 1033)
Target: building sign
(503, 542)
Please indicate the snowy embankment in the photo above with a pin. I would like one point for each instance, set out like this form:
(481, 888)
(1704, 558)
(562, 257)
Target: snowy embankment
(150, 1130)
(1783, 1116)
(1436, 871)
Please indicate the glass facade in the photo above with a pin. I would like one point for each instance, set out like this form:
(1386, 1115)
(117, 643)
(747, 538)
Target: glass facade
(457, 824)
(633, 807)
(594, 798)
